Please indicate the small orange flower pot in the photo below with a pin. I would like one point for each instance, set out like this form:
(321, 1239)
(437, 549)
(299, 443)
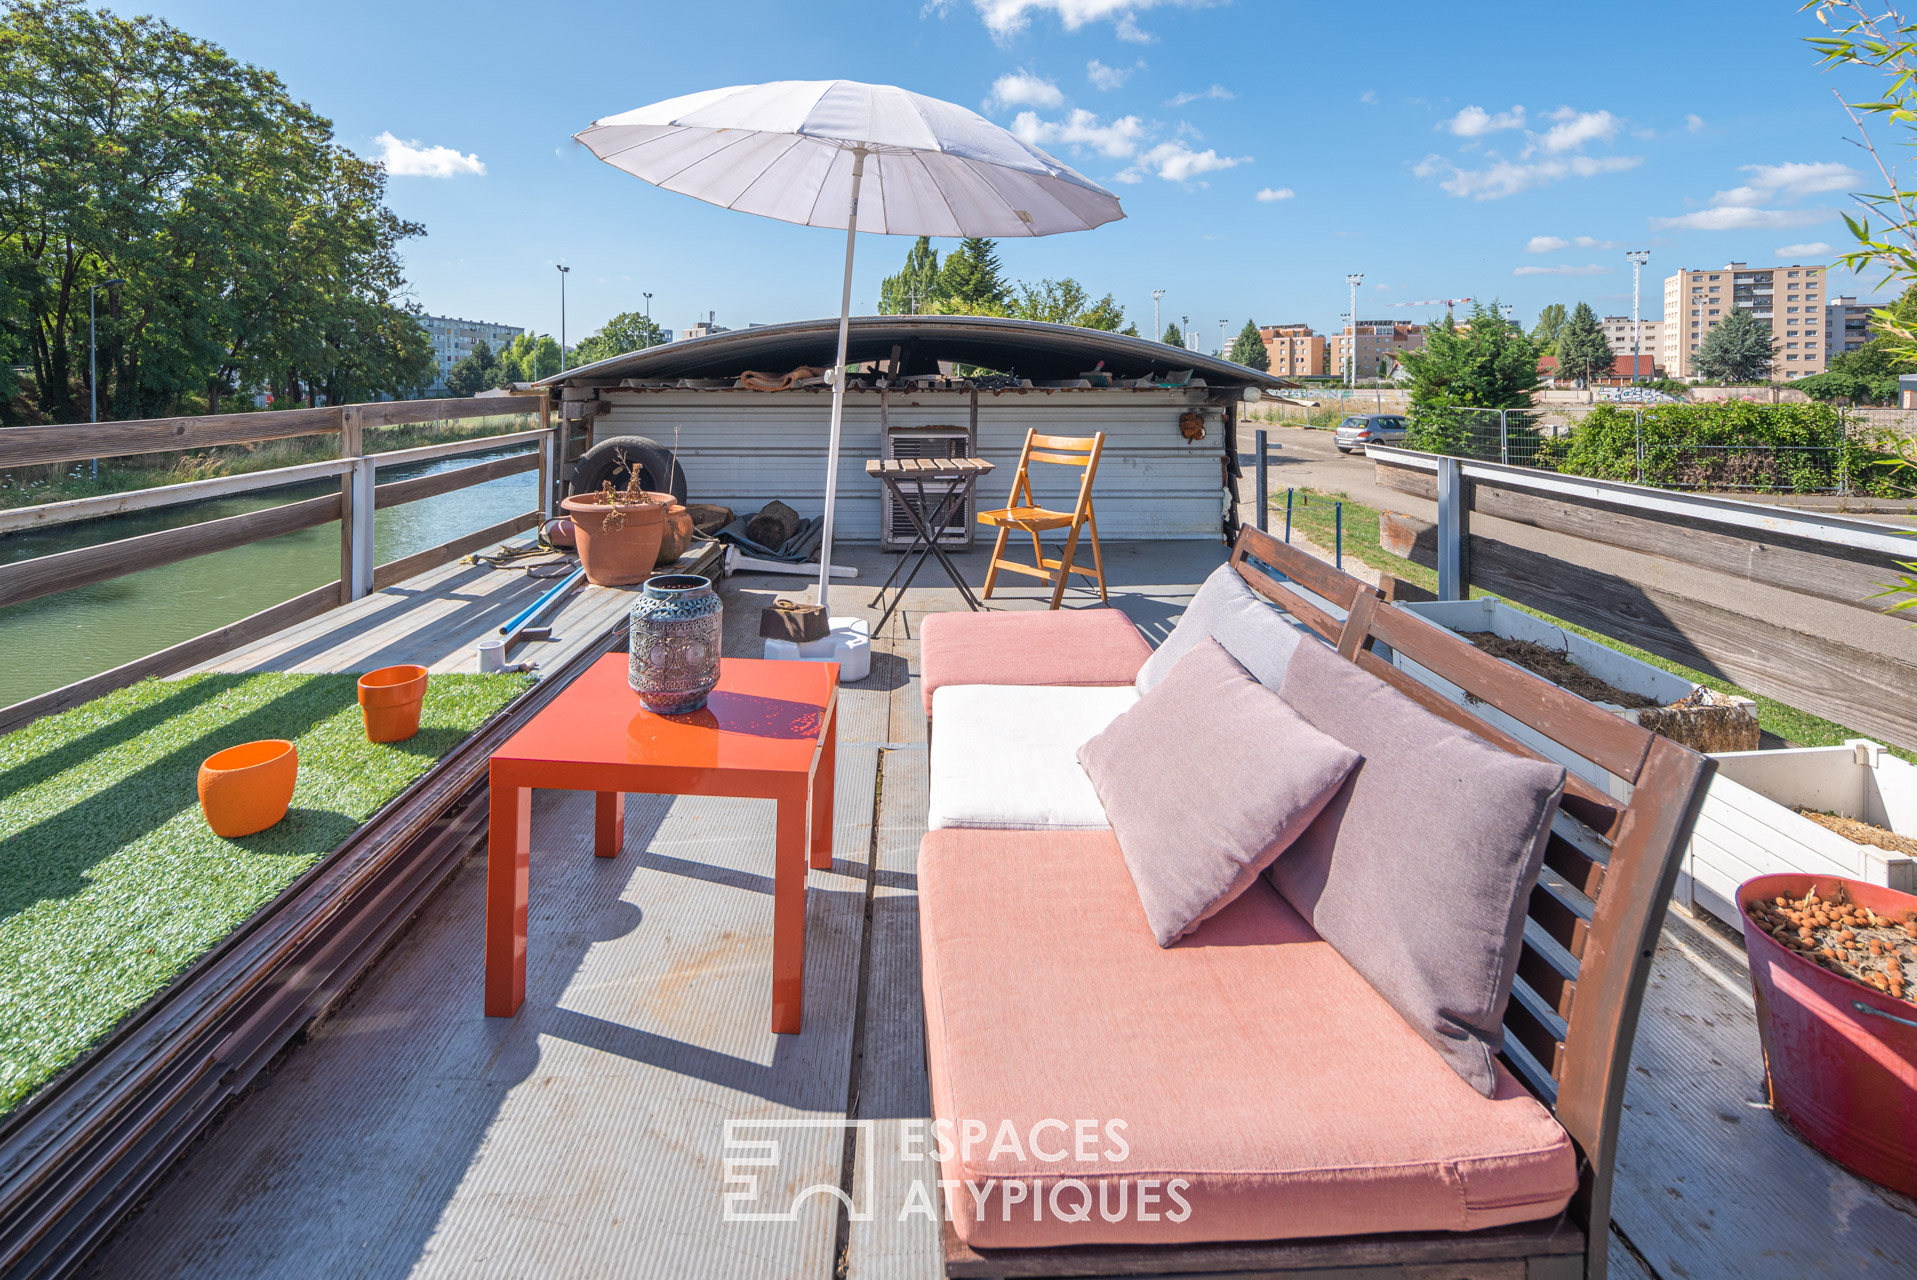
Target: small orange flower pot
(245, 789)
(389, 699)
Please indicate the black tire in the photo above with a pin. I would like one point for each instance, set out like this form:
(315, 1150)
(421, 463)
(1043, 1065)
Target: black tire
(613, 460)
(1341, 449)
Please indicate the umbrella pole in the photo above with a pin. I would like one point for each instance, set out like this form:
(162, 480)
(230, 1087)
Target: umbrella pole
(838, 385)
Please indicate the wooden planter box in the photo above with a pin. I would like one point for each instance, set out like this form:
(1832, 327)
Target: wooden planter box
(1747, 828)
(1716, 722)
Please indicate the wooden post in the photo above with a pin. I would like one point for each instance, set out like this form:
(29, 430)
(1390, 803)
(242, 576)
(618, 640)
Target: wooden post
(1454, 530)
(1264, 491)
(350, 446)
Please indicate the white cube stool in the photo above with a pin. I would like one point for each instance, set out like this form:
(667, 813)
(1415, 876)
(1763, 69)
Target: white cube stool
(848, 643)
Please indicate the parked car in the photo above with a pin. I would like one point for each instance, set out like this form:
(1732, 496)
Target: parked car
(1361, 429)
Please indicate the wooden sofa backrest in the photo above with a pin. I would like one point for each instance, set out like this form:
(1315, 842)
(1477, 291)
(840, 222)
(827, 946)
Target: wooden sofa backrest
(1593, 920)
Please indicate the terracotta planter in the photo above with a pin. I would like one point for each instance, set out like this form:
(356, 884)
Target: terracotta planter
(1840, 1056)
(389, 701)
(245, 789)
(677, 538)
(624, 555)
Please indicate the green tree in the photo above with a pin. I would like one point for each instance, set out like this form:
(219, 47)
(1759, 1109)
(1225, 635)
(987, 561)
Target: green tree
(256, 252)
(1172, 337)
(627, 331)
(471, 375)
(1248, 348)
(1739, 349)
(1484, 363)
(918, 287)
(1545, 332)
(1066, 302)
(971, 282)
(1582, 349)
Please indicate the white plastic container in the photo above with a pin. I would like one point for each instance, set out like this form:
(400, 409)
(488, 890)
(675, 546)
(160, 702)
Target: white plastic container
(1747, 828)
(848, 643)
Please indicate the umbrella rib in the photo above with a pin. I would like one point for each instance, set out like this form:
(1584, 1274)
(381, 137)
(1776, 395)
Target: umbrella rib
(813, 209)
(793, 145)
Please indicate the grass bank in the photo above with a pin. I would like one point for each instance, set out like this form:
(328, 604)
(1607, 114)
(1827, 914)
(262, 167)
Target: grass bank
(1313, 512)
(31, 486)
(111, 883)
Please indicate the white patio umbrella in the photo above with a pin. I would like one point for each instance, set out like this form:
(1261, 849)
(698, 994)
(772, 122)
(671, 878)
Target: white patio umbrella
(797, 150)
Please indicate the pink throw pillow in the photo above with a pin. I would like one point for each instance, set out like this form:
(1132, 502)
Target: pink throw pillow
(1206, 780)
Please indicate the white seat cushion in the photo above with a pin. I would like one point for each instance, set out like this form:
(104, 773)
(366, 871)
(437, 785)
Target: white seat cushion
(1006, 756)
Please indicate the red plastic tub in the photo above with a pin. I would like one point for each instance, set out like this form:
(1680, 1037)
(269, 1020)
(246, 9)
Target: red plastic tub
(1841, 1057)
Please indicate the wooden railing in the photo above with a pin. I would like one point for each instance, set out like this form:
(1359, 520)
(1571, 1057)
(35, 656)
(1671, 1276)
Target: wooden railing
(360, 495)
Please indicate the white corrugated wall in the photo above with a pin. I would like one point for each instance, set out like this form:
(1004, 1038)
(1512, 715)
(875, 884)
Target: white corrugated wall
(745, 448)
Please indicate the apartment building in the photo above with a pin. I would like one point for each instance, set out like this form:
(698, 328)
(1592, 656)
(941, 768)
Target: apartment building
(454, 339)
(1788, 299)
(1618, 331)
(1378, 344)
(1295, 351)
(703, 328)
(1846, 324)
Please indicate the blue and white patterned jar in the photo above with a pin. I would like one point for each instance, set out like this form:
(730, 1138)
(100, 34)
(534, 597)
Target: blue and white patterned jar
(675, 639)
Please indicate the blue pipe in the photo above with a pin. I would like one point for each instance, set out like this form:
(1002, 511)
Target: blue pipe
(1338, 523)
(538, 606)
(1288, 494)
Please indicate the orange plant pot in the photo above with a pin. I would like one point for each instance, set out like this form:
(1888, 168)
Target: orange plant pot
(245, 789)
(389, 700)
(623, 555)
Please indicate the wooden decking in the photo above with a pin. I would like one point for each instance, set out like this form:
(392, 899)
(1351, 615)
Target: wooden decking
(588, 1136)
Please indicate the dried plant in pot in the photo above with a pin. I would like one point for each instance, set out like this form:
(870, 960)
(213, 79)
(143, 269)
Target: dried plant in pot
(619, 533)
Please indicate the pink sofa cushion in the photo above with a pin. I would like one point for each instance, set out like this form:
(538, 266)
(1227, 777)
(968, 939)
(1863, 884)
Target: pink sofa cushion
(1249, 1061)
(1058, 646)
(1205, 780)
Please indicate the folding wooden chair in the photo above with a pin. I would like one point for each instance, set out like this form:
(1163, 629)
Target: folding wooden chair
(1025, 515)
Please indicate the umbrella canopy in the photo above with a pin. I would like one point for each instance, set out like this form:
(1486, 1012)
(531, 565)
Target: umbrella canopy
(805, 150)
(785, 150)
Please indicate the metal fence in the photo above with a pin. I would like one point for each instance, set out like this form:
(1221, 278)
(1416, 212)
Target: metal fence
(1860, 458)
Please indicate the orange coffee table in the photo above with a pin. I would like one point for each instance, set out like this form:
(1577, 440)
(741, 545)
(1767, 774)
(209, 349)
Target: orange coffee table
(768, 732)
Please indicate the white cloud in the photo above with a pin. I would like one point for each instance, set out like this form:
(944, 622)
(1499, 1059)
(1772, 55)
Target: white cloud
(1118, 139)
(1694, 123)
(1218, 92)
(1815, 249)
(1023, 89)
(1740, 217)
(1369, 97)
(1177, 162)
(1544, 244)
(1006, 18)
(1591, 269)
(1271, 195)
(1575, 128)
(1503, 178)
(411, 160)
(1109, 78)
(1475, 122)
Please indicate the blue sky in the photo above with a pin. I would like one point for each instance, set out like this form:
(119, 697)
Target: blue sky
(1263, 148)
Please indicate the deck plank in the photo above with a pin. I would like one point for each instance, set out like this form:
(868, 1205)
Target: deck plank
(1705, 1171)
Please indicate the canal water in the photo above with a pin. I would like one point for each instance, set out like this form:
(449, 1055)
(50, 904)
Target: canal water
(60, 638)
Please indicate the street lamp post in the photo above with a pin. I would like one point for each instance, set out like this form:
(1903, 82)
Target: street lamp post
(648, 298)
(1354, 279)
(1157, 330)
(93, 365)
(1221, 338)
(1638, 258)
(564, 271)
(1184, 334)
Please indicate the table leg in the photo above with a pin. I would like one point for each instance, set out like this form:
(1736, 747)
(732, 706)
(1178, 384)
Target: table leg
(508, 853)
(823, 782)
(608, 823)
(788, 912)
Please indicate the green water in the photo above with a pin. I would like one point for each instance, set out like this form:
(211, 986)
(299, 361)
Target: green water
(57, 639)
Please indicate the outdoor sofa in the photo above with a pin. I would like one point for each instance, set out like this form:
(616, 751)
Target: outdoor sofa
(1394, 1053)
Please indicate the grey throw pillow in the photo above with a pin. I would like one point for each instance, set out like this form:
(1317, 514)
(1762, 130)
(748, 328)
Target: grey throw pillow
(1419, 870)
(1205, 780)
(1256, 632)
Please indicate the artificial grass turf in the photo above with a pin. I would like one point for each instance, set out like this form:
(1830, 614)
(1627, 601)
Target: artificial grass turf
(1313, 512)
(111, 883)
